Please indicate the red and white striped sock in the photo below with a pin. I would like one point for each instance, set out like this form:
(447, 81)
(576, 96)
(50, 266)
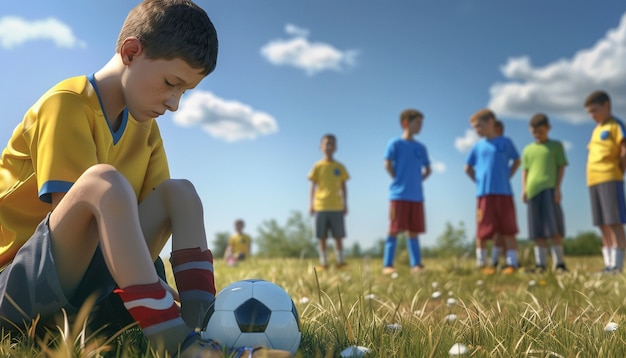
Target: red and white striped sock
(157, 314)
(193, 272)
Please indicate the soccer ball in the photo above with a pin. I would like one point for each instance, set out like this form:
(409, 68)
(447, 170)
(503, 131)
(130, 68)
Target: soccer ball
(254, 313)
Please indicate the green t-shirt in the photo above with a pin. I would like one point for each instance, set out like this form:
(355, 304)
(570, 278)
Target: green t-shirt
(542, 162)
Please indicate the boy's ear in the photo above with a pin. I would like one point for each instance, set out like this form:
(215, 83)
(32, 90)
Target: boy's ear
(404, 123)
(129, 49)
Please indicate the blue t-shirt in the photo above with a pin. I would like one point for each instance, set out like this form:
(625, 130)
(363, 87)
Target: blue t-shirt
(408, 159)
(491, 160)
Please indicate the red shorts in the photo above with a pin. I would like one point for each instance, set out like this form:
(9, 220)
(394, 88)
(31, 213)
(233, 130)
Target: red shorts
(495, 214)
(406, 216)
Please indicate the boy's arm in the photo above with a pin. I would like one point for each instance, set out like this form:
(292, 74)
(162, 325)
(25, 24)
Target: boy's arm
(514, 167)
(524, 174)
(469, 170)
(389, 168)
(557, 188)
(426, 172)
(344, 193)
(312, 198)
(622, 155)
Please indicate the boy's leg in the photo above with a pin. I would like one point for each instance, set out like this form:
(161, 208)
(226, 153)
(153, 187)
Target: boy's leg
(339, 251)
(415, 253)
(174, 206)
(337, 228)
(556, 248)
(541, 252)
(497, 249)
(321, 247)
(101, 209)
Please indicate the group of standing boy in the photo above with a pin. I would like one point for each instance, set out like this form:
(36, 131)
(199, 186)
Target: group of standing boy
(491, 163)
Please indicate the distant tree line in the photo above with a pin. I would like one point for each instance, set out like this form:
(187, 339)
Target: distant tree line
(295, 238)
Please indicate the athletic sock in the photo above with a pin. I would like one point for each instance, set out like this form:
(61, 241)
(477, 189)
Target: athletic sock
(415, 254)
(511, 258)
(323, 256)
(557, 255)
(495, 255)
(193, 272)
(390, 251)
(541, 256)
(612, 253)
(481, 255)
(606, 256)
(339, 256)
(157, 314)
(619, 259)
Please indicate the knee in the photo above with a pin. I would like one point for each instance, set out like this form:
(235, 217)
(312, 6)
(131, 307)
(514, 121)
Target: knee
(179, 190)
(103, 175)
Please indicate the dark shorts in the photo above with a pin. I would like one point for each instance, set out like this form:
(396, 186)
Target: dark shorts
(607, 203)
(31, 283)
(406, 216)
(495, 214)
(329, 222)
(545, 216)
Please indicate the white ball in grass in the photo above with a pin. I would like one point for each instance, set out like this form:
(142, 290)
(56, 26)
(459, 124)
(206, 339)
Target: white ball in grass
(354, 352)
(450, 318)
(304, 300)
(394, 275)
(458, 349)
(396, 327)
(436, 294)
(451, 301)
(611, 327)
(435, 284)
(370, 296)
(532, 283)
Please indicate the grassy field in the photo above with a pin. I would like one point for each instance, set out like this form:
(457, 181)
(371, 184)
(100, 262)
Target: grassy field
(519, 315)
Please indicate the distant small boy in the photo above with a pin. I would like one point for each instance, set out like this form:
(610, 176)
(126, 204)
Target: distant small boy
(543, 167)
(406, 161)
(606, 162)
(239, 243)
(491, 163)
(328, 200)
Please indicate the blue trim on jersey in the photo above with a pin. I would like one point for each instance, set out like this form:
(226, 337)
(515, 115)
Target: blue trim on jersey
(120, 131)
(53, 186)
(621, 125)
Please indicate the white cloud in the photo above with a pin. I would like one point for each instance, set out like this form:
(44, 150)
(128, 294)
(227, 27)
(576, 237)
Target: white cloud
(15, 31)
(312, 57)
(438, 167)
(464, 144)
(560, 88)
(228, 120)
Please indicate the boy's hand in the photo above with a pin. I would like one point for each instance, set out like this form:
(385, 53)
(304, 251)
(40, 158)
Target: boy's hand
(524, 198)
(557, 196)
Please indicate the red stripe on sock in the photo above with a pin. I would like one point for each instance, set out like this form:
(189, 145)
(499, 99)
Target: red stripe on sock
(147, 316)
(194, 278)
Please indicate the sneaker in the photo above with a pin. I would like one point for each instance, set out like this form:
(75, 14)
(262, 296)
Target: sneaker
(388, 270)
(319, 268)
(508, 270)
(342, 265)
(417, 269)
(258, 352)
(488, 270)
(560, 268)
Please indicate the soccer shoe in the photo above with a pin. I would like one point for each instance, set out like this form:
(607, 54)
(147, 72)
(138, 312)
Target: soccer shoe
(319, 268)
(417, 269)
(342, 265)
(508, 270)
(388, 270)
(195, 347)
(488, 270)
(258, 352)
(560, 268)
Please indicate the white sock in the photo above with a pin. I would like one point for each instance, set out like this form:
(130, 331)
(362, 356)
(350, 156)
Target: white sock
(612, 252)
(495, 255)
(557, 255)
(339, 256)
(481, 255)
(511, 258)
(323, 258)
(606, 256)
(541, 256)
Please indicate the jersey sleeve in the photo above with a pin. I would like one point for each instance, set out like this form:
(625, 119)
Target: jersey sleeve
(61, 143)
(313, 173)
(561, 158)
(390, 150)
(426, 157)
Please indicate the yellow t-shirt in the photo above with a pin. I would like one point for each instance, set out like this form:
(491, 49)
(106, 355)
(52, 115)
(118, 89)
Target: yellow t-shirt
(240, 244)
(603, 159)
(63, 134)
(328, 177)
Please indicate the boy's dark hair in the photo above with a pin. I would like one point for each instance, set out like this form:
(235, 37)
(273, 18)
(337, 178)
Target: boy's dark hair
(329, 136)
(499, 126)
(597, 97)
(409, 115)
(171, 29)
(538, 120)
(482, 115)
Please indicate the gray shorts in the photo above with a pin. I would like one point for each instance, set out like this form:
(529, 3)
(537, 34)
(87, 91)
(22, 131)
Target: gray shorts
(329, 221)
(545, 216)
(30, 287)
(607, 203)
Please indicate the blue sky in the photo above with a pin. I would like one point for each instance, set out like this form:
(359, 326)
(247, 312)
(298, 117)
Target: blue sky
(290, 71)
